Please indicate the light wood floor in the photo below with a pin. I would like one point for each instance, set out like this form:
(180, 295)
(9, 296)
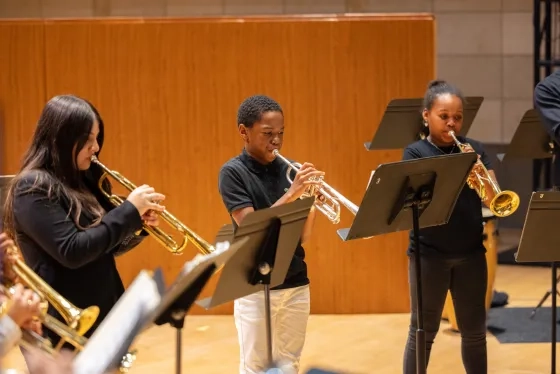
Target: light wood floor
(349, 343)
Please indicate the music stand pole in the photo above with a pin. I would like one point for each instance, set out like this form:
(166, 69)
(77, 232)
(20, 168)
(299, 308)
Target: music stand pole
(553, 330)
(531, 141)
(274, 234)
(262, 269)
(176, 313)
(420, 333)
(554, 266)
(537, 245)
(401, 197)
(182, 294)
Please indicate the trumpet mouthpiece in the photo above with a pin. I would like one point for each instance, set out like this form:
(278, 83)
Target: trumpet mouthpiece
(275, 152)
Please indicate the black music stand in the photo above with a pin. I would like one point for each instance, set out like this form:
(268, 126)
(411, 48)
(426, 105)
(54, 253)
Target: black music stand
(538, 245)
(225, 233)
(107, 348)
(181, 295)
(402, 123)
(274, 235)
(411, 194)
(531, 141)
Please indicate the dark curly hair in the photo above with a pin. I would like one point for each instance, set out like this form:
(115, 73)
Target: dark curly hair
(252, 109)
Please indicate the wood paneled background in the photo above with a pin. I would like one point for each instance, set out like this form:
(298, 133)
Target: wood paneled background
(169, 90)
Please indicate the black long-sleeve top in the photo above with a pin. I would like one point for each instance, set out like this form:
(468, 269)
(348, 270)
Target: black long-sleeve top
(78, 264)
(547, 103)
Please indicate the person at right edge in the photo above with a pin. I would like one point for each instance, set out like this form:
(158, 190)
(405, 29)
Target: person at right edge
(253, 180)
(547, 103)
(453, 256)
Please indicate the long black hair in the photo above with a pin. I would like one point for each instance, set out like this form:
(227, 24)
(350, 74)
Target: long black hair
(62, 131)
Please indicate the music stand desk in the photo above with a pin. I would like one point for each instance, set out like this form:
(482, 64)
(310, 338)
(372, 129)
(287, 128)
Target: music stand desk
(411, 194)
(402, 123)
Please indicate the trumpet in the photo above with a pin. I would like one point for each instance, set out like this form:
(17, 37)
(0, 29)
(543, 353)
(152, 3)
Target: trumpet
(79, 321)
(31, 339)
(330, 205)
(504, 203)
(161, 237)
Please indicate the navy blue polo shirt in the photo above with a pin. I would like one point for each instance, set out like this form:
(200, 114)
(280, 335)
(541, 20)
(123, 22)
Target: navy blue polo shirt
(463, 234)
(245, 182)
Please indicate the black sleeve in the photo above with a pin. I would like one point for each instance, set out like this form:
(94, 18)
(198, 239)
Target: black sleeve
(232, 189)
(547, 102)
(479, 149)
(46, 221)
(485, 159)
(129, 243)
(411, 153)
(132, 240)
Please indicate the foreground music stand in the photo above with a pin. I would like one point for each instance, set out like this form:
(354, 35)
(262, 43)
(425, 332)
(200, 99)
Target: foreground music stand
(181, 295)
(402, 123)
(531, 141)
(411, 194)
(538, 245)
(274, 234)
(107, 348)
(225, 233)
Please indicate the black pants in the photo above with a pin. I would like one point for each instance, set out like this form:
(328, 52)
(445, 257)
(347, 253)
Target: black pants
(466, 278)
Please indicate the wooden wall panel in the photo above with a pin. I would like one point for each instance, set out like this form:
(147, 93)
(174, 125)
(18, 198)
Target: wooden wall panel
(168, 91)
(22, 87)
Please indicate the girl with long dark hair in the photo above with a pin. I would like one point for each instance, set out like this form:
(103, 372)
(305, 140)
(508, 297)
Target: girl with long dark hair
(67, 231)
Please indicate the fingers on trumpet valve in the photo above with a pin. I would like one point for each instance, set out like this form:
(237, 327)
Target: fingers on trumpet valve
(145, 198)
(314, 182)
(310, 174)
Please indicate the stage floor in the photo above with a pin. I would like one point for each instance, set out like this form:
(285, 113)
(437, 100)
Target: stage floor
(348, 343)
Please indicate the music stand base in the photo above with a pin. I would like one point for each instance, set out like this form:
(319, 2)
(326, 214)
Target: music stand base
(543, 299)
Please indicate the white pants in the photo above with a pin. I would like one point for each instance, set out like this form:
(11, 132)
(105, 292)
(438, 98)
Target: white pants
(289, 312)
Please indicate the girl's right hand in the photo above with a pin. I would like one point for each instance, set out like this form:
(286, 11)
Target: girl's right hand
(145, 198)
(25, 305)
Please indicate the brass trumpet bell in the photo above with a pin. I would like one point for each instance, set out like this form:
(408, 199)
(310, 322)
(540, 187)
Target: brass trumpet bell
(504, 203)
(79, 320)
